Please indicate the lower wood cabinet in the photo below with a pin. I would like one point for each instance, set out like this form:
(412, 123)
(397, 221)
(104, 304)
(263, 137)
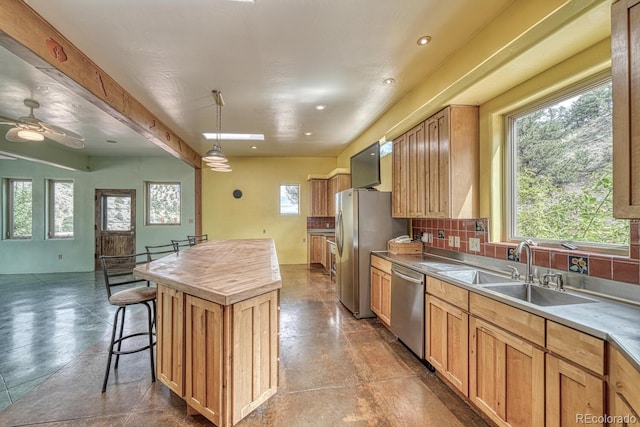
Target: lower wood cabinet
(624, 391)
(170, 338)
(222, 360)
(506, 376)
(204, 358)
(381, 289)
(575, 381)
(317, 249)
(381, 295)
(573, 395)
(447, 341)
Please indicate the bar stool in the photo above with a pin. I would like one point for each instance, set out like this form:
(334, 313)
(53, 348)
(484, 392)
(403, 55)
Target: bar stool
(118, 271)
(158, 251)
(194, 240)
(181, 243)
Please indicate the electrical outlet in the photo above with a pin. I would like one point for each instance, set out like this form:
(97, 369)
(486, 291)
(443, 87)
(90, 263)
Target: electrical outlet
(430, 237)
(59, 256)
(456, 241)
(474, 244)
(450, 240)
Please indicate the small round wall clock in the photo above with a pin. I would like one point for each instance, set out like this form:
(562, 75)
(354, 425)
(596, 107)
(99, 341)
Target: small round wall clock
(237, 194)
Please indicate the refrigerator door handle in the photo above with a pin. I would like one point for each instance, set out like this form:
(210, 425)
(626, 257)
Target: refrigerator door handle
(340, 233)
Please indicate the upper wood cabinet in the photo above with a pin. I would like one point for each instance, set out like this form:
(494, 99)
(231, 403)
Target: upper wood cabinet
(435, 166)
(336, 184)
(319, 197)
(625, 51)
(400, 178)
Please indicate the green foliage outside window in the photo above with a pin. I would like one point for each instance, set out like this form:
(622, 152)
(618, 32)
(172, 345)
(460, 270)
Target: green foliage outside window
(21, 209)
(564, 171)
(163, 203)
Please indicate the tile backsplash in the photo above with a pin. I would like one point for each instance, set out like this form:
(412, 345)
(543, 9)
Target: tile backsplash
(444, 231)
(320, 222)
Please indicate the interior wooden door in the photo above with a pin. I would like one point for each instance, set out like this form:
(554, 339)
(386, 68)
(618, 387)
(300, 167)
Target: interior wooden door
(115, 223)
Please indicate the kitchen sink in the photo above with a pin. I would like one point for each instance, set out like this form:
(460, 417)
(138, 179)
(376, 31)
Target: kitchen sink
(538, 296)
(476, 277)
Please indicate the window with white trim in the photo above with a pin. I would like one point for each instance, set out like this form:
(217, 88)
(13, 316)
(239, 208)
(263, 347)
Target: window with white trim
(559, 169)
(290, 199)
(60, 209)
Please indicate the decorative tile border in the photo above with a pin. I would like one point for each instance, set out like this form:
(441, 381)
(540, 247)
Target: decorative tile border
(623, 269)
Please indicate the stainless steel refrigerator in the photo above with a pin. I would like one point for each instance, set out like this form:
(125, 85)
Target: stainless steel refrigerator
(363, 224)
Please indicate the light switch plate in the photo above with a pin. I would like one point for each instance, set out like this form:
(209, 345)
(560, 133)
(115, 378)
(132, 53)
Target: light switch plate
(450, 240)
(474, 244)
(456, 241)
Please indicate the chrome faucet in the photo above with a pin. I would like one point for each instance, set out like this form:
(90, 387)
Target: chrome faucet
(528, 276)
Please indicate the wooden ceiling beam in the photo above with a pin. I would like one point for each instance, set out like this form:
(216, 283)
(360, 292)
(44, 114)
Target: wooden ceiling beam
(30, 37)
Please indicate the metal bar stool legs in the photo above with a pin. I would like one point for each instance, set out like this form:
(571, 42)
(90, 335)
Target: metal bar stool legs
(117, 341)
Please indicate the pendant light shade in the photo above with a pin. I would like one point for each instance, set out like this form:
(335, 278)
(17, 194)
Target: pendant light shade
(215, 158)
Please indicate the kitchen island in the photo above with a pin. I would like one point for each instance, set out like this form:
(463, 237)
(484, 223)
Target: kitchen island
(217, 325)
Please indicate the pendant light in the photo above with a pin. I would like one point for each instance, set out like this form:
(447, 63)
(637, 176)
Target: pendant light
(215, 158)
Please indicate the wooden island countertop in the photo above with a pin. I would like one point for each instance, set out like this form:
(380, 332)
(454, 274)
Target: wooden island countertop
(217, 325)
(220, 271)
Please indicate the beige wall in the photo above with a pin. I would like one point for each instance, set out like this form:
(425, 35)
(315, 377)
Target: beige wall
(256, 214)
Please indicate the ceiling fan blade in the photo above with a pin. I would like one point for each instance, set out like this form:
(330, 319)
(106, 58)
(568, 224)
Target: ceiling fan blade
(12, 135)
(7, 121)
(63, 131)
(64, 139)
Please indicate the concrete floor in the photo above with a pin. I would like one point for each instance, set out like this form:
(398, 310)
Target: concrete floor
(335, 370)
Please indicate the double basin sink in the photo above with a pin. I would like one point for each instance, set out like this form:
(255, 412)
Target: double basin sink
(508, 287)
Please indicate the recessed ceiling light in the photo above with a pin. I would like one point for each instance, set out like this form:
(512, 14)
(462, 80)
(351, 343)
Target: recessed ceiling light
(320, 107)
(308, 133)
(253, 147)
(111, 141)
(235, 136)
(388, 81)
(423, 40)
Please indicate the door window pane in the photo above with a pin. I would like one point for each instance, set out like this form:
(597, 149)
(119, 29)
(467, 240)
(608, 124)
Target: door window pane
(60, 209)
(290, 199)
(116, 213)
(20, 209)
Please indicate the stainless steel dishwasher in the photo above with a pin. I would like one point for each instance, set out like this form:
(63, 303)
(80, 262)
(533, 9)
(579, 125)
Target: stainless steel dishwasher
(407, 307)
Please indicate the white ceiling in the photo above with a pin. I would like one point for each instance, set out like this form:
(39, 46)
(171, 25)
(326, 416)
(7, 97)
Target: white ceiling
(273, 60)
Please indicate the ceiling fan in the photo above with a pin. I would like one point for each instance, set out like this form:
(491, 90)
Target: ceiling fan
(30, 128)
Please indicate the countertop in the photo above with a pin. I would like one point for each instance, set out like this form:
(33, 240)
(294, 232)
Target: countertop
(322, 232)
(615, 322)
(221, 271)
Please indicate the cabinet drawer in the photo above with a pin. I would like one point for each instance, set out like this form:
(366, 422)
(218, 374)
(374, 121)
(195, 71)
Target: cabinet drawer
(525, 325)
(381, 264)
(452, 294)
(578, 347)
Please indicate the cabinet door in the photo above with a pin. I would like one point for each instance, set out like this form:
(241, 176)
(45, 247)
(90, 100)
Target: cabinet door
(332, 188)
(400, 178)
(573, 395)
(385, 298)
(625, 52)
(205, 358)
(376, 291)
(624, 390)
(316, 249)
(318, 197)
(417, 194)
(506, 376)
(438, 164)
(447, 341)
(170, 339)
(255, 353)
